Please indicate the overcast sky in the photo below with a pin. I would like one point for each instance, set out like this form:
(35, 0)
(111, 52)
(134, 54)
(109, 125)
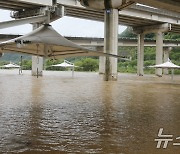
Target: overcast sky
(66, 26)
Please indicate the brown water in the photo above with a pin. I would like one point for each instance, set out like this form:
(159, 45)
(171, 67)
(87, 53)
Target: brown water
(60, 114)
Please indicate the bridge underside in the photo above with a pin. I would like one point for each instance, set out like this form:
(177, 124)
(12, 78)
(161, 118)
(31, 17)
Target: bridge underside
(99, 42)
(163, 4)
(17, 5)
(26, 4)
(124, 19)
(134, 16)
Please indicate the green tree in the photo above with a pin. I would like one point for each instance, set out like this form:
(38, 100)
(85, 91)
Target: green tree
(87, 64)
(26, 64)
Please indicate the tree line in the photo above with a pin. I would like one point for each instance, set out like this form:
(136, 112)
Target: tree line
(92, 63)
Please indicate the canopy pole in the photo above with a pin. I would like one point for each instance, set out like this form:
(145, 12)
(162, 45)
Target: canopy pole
(172, 74)
(20, 68)
(73, 71)
(35, 58)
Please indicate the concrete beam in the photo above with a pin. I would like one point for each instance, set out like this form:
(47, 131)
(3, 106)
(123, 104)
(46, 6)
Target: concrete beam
(69, 3)
(85, 41)
(131, 16)
(56, 12)
(18, 5)
(153, 28)
(172, 5)
(37, 2)
(18, 22)
(99, 42)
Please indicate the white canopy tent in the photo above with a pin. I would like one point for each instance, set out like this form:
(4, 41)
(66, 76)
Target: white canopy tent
(66, 64)
(46, 42)
(167, 65)
(10, 65)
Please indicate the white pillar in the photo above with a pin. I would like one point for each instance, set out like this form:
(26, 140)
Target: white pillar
(166, 57)
(101, 60)
(159, 52)
(111, 43)
(140, 55)
(37, 62)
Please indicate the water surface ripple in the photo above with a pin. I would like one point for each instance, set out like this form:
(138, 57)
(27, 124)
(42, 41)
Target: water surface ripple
(60, 114)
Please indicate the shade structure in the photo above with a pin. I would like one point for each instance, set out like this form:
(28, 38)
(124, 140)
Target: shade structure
(10, 65)
(167, 64)
(64, 64)
(46, 42)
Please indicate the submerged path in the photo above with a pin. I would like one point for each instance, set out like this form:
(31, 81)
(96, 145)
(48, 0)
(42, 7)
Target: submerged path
(60, 114)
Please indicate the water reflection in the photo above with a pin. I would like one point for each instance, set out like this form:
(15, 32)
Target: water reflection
(34, 130)
(109, 138)
(60, 114)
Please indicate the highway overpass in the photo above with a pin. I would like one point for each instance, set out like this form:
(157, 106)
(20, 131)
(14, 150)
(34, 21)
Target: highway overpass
(162, 16)
(172, 5)
(136, 16)
(99, 42)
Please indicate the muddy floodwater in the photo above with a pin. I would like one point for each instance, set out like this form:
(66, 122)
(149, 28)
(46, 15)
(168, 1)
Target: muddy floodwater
(58, 114)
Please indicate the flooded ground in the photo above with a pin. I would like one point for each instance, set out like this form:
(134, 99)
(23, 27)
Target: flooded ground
(58, 114)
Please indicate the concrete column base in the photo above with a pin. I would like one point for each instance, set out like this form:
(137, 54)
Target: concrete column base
(159, 52)
(140, 55)
(112, 77)
(110, 71)
(37, 66)
(101, 60)
(102, 65)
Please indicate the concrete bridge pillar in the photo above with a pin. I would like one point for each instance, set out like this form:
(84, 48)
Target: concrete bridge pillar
(140, 55)
(166, 57)
(37, 62)
(159, 52)
(101, 61)
(111, 43)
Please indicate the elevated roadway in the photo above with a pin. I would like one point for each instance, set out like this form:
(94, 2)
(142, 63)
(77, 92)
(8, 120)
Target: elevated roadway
(135, 16)
(172, 5)
(163, 4)
(99, 42)
(17, 5)
(123, 41)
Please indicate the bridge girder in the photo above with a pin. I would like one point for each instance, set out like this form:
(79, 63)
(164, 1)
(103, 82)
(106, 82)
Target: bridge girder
(134, 16)
(173, 5)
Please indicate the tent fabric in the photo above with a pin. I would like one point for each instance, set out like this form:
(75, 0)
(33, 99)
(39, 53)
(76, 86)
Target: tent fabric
(167, 64)
(11, 65)
(46, 42)
(64, 64)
